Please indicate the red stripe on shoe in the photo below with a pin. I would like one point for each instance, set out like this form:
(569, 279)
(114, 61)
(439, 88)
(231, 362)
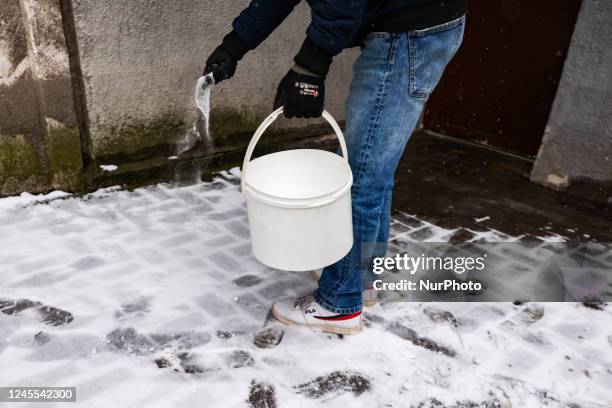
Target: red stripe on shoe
(339, 317)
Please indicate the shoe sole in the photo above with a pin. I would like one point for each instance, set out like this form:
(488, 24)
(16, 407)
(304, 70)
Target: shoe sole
(367, 303)
(323, 328)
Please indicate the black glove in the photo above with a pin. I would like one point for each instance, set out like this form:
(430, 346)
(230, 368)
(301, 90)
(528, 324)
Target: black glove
(222, 62)
(301, 95)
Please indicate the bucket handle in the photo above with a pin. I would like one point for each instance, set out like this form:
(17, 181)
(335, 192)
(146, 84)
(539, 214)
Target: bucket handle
(268, 121)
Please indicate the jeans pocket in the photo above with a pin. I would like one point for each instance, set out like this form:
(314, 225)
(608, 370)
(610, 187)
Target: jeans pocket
(430, 51)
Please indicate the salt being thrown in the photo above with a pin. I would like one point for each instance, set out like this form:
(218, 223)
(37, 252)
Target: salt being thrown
(202, 101)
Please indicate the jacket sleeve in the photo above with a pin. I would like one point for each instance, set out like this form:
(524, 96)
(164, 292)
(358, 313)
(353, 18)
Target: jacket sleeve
(260, 18)
(334, 25)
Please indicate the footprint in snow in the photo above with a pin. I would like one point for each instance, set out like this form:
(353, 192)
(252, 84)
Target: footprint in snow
(261, 395)
(434, 403)
(131, 342)
(268, 338)
(239, 359)
(47, 314)
(531, 314)
(183, 362)
(439, 315)
(333, 384)
(595, 304)
(412, 336)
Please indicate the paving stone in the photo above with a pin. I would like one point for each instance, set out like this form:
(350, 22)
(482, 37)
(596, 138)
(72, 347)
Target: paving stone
(88, 262)
(214, 305)
(421, 234)
(178, 240)
(247, 281)
(239, 228)
(461, 235)
(137, 307)
(220, 240)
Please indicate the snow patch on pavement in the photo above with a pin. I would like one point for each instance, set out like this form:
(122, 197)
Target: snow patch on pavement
(108, 167)
(169, 308)
(27, 199)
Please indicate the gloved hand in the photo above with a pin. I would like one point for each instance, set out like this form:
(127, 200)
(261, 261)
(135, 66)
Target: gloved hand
(224, 59)
(221, 64)
(302, 95)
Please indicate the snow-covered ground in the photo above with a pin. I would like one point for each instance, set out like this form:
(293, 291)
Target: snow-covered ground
(151, 298)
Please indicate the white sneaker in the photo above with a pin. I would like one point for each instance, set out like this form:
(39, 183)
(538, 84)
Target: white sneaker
(305, 311)
(370, 296)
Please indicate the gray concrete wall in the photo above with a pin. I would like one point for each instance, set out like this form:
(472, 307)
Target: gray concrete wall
(39, 145)
(577, 145)
(140, 61)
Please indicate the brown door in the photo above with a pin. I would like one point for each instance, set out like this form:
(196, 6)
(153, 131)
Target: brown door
(500, 87)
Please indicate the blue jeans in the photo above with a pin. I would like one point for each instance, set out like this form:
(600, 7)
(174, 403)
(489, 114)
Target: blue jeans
(392, 79)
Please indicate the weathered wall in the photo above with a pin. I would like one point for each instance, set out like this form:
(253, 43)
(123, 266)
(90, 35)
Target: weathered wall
(128, 70)
(39, 145)
(577, 145)
(141, 59)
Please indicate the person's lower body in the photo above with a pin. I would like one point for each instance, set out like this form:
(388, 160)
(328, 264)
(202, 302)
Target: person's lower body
(392, 80)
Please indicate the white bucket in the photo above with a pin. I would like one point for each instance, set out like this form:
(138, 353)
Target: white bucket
(299, 204)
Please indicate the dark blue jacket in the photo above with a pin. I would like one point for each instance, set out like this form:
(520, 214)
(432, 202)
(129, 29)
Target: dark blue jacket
(334, 22)
(338, 24)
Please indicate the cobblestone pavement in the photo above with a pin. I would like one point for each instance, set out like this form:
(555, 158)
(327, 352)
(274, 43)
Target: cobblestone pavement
(151, 298)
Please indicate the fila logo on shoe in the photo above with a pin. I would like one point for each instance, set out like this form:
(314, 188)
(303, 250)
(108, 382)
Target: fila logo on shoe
(305, 311)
